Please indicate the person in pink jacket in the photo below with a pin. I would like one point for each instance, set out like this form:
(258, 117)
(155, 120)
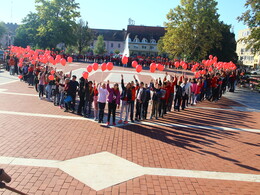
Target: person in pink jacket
(113, 100)
(194, 87)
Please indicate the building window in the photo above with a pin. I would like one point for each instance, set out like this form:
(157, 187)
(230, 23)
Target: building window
(129, 40)
(153, 41)
(119, 45)
(143, 47)
(151, 47)
(135, 46)
(136, 40)
(112, 44)
(144, 40)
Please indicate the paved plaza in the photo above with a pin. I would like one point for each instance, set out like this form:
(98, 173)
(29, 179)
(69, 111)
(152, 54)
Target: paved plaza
(211, 148)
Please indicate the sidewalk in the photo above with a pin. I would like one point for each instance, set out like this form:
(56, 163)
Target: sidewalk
(209, 150)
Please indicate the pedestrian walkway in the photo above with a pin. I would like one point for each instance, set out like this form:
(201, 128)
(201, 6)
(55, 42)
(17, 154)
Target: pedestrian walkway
(211, 148)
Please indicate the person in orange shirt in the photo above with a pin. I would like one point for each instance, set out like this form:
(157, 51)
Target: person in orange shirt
(11, 64)
(132, 102)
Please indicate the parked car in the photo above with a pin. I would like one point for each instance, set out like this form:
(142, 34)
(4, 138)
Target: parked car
(255, 72)
(1, 56)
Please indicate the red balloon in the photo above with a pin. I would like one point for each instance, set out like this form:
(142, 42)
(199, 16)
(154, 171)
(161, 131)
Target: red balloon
(210, 69)
(53, 72)
(184, 66)
(210, 57)
(44, 60)
(139, 68)
(215, 59)
(63, 62)
(103, 67)
(134, 64)
(51, 59)
(58, 57)
(124, 60)
(70, 59)
(177, 64)
(51, 77)
(197, 74)
(89, 68)
(85, 75)
(160, 67)
(20, 76)
(153, 66)
(110, 66)
(20, 65)
(95, 66)
(33, 62)
(152, 70)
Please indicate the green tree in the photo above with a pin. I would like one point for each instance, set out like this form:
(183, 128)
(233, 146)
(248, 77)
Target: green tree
(227, 50)
(2, 29)
(26, 34)
(251, 17)
(100, 48)
(57, 17)
(117, 51)
(192, 29)
(53, 23)
(82, 34)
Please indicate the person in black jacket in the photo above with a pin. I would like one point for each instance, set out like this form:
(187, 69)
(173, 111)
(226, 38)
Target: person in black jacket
(81, 94)
(73, 90)
(178, 96)
(126, 97)
(146, 101)
(140, 99)
(89, 97)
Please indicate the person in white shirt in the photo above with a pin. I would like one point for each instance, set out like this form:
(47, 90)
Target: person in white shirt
(102, 98)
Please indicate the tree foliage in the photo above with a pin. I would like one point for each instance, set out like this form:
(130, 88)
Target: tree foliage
(251, 18)
(53, 23)
(26, 34)
(192, 29)
(83, 35)
(227, 50)
(2, 29)
(100, 48)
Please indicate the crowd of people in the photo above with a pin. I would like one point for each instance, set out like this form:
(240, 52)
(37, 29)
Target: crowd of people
(89, 98)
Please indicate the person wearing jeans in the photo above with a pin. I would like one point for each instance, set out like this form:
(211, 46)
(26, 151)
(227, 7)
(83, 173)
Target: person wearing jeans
(102, 96)
(113, 100)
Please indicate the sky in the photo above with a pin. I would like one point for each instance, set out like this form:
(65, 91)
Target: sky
(114, 14)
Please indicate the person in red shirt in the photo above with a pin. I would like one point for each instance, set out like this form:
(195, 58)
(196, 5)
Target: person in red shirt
(132, 102)
(171, 86)
(215, 87)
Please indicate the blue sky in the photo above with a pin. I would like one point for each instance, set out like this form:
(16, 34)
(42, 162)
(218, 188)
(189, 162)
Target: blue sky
(114, 14)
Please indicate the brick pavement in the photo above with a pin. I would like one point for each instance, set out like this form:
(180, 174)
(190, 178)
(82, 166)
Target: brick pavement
(146, 145)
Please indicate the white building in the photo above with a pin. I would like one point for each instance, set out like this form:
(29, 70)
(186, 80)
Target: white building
(246, 56)
(114, 39)
(143, 40)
